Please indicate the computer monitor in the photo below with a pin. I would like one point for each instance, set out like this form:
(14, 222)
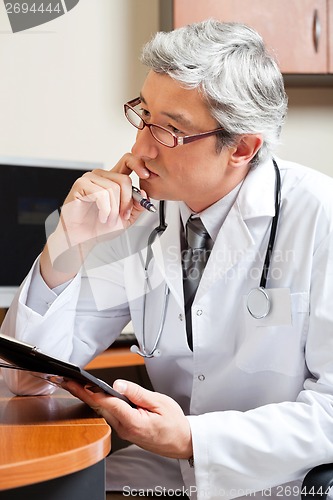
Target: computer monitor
(30, 190)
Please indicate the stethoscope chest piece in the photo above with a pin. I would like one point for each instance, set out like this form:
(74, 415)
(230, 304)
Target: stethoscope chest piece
(258, 303)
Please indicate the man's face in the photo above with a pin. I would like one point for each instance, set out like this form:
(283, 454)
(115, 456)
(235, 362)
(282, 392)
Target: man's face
(195, 172)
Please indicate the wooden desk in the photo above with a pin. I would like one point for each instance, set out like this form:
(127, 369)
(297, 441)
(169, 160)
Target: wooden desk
(51, 447)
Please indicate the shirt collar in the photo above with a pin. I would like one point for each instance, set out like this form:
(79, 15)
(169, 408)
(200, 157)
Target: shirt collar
(213, 216)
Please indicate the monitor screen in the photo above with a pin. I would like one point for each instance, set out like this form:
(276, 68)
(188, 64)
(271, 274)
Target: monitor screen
(29, 192)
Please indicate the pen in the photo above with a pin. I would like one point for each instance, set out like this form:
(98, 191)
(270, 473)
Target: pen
(144, 202)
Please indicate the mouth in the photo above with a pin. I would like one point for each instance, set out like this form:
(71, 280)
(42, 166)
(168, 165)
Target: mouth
(149, 183)
(152, 174)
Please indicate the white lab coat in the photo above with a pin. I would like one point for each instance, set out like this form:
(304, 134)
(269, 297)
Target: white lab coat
(258, 393)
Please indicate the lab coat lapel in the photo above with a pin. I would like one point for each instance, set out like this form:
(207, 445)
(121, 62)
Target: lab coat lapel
(166, 250)
(232, 241)
(255, 199)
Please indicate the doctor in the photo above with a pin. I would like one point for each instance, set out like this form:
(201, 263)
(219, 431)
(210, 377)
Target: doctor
(243, 400)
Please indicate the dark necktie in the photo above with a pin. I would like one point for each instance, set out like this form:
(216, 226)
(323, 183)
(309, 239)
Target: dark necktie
(195, 258)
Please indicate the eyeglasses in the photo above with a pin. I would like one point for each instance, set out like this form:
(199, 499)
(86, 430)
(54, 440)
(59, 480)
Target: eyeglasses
(161, 134)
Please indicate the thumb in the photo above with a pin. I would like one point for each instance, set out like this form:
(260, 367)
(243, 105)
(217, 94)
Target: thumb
(135, 393)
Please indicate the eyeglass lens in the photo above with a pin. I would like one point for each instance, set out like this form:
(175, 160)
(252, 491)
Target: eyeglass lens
(160, 134)
(134, 118)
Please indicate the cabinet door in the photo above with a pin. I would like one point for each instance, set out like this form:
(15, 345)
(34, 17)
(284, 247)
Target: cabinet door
(330, 36)
(294, 30)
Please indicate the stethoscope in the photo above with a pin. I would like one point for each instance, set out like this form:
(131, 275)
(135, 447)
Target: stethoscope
(258, 300)
(154, 352)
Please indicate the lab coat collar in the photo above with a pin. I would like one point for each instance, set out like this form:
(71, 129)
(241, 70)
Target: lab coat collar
(256, 198)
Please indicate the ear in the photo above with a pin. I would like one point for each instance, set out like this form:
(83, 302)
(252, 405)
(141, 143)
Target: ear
(246, 148)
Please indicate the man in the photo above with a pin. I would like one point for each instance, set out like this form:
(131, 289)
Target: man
(243, 400)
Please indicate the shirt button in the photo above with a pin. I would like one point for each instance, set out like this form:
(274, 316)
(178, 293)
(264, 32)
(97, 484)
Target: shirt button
(180, 317)
(201, 377)
(199, 312)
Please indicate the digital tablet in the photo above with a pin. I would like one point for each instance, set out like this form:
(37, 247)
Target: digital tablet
(22, 356)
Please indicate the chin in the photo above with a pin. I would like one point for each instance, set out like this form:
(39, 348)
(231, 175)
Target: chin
(158, 191)
(151, 190)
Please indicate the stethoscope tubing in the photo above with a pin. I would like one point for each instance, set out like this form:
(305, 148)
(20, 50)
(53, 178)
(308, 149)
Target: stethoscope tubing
(272, 236)
(154, 352)
(260, 293)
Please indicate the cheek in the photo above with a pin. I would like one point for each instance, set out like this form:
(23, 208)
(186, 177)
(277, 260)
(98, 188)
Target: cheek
(197, 168)
(186, 164)
(193, 165)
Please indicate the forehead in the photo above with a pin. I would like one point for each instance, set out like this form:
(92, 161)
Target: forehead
(166, 96)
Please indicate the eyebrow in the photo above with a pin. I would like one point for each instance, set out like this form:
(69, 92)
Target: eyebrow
(177, 117)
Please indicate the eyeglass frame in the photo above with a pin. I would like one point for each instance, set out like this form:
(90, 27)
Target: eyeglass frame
(178, 140)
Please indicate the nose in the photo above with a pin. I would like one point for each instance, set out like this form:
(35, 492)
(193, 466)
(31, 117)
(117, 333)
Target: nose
(145, 145)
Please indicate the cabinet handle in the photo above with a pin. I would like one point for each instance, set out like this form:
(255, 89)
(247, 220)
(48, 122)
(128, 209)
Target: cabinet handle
(316, 30)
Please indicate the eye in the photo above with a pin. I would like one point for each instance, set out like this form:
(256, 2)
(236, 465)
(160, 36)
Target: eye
(144, 113)
(175, 130)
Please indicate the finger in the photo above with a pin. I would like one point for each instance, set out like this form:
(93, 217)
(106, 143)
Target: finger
(106, 191)
(124, 201)
(138, 395)
(99, 196)
(130, 163)
(119, 187)
(85, 393)
(74, 388)
(115, 411)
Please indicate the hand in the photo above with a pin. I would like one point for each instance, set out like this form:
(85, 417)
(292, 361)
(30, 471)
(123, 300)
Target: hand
(101, 202)
(158, 424)
(99, 205)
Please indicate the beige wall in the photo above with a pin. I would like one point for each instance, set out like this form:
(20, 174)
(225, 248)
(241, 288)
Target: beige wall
(307, 136)
(62, 86)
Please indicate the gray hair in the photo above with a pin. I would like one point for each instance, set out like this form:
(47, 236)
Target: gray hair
(230, 65)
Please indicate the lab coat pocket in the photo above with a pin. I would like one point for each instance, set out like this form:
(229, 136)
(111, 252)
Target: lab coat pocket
(275, 343)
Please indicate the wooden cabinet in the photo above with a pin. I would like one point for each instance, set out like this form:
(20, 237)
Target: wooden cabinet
(330, 36)
(298, 32)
